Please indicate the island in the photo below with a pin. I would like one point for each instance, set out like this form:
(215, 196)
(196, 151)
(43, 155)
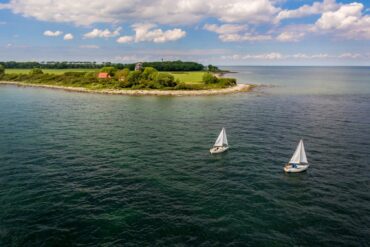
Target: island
(170, 78)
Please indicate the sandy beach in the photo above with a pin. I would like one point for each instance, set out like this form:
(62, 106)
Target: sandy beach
(150, 92)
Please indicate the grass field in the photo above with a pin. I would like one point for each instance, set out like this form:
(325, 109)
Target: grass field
(193, 77)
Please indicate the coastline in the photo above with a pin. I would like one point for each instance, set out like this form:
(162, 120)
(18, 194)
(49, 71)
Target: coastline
(150, 92)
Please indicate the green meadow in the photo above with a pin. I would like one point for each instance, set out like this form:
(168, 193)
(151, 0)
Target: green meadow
(189, 77)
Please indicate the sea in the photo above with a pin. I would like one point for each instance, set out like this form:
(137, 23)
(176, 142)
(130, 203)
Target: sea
(80, 169)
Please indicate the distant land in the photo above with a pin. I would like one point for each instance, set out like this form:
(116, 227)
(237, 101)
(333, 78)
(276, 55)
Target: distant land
(166, 77)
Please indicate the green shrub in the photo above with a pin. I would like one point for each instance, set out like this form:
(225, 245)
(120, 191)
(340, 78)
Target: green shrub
(166, 80)
(208, 78)
(154, 85)
(149, 73)
(122, 74)
(2, 71)
(227, 82)
(110, 70)
(75, 74)
(184, 86)
(90, 75)
(36, 71)
(133, 78)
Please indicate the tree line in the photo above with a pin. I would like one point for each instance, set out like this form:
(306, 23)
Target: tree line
(160, 66)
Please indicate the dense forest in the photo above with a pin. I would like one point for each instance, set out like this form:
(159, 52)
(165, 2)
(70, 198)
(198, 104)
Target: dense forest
(160, 66)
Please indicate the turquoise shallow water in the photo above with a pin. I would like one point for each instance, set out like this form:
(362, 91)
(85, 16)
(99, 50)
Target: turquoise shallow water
(85, 169)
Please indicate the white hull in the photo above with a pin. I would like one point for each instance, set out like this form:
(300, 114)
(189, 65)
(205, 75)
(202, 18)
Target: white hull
(300, 168)
(218, 150)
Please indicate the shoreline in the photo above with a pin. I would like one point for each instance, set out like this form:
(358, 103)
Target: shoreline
(139, 92)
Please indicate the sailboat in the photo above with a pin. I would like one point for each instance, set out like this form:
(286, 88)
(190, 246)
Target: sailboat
(298, 163)
(221, 144)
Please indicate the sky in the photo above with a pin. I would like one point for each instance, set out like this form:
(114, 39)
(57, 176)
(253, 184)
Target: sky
(220, 32)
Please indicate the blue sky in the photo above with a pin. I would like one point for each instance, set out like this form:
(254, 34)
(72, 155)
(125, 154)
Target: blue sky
(233, 32)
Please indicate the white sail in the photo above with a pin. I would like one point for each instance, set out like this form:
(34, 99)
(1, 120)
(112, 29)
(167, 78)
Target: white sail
(299, 155)
(221, 139)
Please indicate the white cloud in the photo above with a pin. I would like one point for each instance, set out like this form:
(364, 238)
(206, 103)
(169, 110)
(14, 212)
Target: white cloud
(234, 37)
(68, 36)
(86, 12)
(52, 34)
(89, 46)
(348, 22)
(307, 10)
(235, 33)
(125, 39)
(321, 55)
(224, 29)
(311, 56)
(346, 16)
(148, 33)
(350, 55)
(253, 11)
(100, 33)
(290, 36)
(263, 56)
(145, 32)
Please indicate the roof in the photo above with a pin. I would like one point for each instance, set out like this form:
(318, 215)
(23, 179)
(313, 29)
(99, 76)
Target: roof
(103, 75)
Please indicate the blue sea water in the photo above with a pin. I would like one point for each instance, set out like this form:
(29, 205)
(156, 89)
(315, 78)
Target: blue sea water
(97, 170)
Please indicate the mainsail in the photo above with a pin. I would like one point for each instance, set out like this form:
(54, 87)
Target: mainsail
(221, 139)
(299, 155)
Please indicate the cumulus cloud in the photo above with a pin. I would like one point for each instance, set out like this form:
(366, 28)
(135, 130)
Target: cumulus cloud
(148, 33)
(238, 20)
(52, 34)
(306, 10)
(100, 33)
(224, 29)
(125, 39)
(235, 33)
(290, 36)
(348, 22)
(86, 12)
(68, 36)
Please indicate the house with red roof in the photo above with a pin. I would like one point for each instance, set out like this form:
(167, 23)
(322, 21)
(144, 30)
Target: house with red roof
(103, 75)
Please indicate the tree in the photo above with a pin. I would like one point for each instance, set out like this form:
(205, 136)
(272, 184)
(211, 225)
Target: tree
(166, 80)
(212, 68)
(149, 73)
(36, 71)
(134, 78)
(2, 71)
(122, 74)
